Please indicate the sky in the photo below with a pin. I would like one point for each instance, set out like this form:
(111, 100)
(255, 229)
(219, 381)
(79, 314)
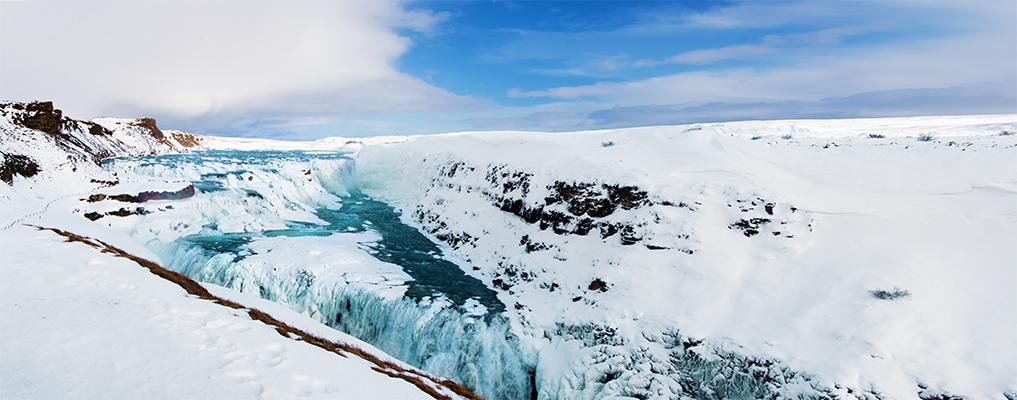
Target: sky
(302, 70)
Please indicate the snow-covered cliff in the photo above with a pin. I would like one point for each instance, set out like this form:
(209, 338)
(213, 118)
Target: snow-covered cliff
(825, 259)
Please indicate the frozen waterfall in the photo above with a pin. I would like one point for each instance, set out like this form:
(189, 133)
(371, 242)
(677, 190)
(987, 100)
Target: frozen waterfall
(291, 227)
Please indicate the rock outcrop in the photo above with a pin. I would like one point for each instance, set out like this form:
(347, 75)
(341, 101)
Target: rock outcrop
(35, 137)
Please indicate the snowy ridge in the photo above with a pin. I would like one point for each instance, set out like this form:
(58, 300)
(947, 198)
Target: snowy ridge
(702, 261)
(325, 144)
(954, 125)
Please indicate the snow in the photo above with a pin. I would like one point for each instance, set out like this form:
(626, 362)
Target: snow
(936, 218)
(689, 297)
(335, 259)
(325, 144)
(78, 323)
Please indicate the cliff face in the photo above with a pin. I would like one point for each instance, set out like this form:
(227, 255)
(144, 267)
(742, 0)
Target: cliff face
(36, 138)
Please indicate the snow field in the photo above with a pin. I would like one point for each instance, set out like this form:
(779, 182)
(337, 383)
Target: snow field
(79, 323)
(699, 298)
(76, 322)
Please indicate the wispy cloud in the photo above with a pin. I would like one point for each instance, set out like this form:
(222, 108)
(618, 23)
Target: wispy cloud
(611, 63)
(757, 15)
(983, 98)
(770, 44)
(559, 72)
(939, 62)
(706, 56)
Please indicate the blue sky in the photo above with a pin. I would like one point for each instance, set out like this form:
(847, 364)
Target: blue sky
(305, 70)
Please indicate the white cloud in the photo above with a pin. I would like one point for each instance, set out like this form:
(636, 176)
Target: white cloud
(986, 98)
(770, 44)
(217, 62)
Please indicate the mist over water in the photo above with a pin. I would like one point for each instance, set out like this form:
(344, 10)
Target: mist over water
(447, 323)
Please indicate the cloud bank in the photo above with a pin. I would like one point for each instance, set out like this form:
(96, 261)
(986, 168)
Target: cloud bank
(218, 66)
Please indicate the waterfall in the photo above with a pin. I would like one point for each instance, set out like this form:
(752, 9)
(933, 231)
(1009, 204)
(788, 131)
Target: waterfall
(404, 298)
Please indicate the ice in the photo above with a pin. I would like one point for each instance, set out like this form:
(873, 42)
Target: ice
(291, 227)
(478, 352)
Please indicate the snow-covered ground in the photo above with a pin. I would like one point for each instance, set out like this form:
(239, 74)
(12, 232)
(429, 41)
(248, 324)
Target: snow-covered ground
(77, 321)
(766, 240)
(870, 258)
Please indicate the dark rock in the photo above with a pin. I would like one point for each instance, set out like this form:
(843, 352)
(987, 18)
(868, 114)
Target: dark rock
(122, 212)
(149, 124)
(581, 199)
(149, 196)
(500, 284)
(749, 227)
(628, 236)
(583, 227)
(40, 106)
(531, 215)
(41, 116)
(455, 239)
(17, 164)
(98, 130)
(185, 139)
(606, 230)
(531, 246)
(626, 197)
(105, 183)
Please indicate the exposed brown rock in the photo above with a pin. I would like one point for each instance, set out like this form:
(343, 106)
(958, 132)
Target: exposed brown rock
(17, 164)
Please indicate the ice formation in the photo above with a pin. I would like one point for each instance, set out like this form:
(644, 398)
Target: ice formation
(288, 226)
